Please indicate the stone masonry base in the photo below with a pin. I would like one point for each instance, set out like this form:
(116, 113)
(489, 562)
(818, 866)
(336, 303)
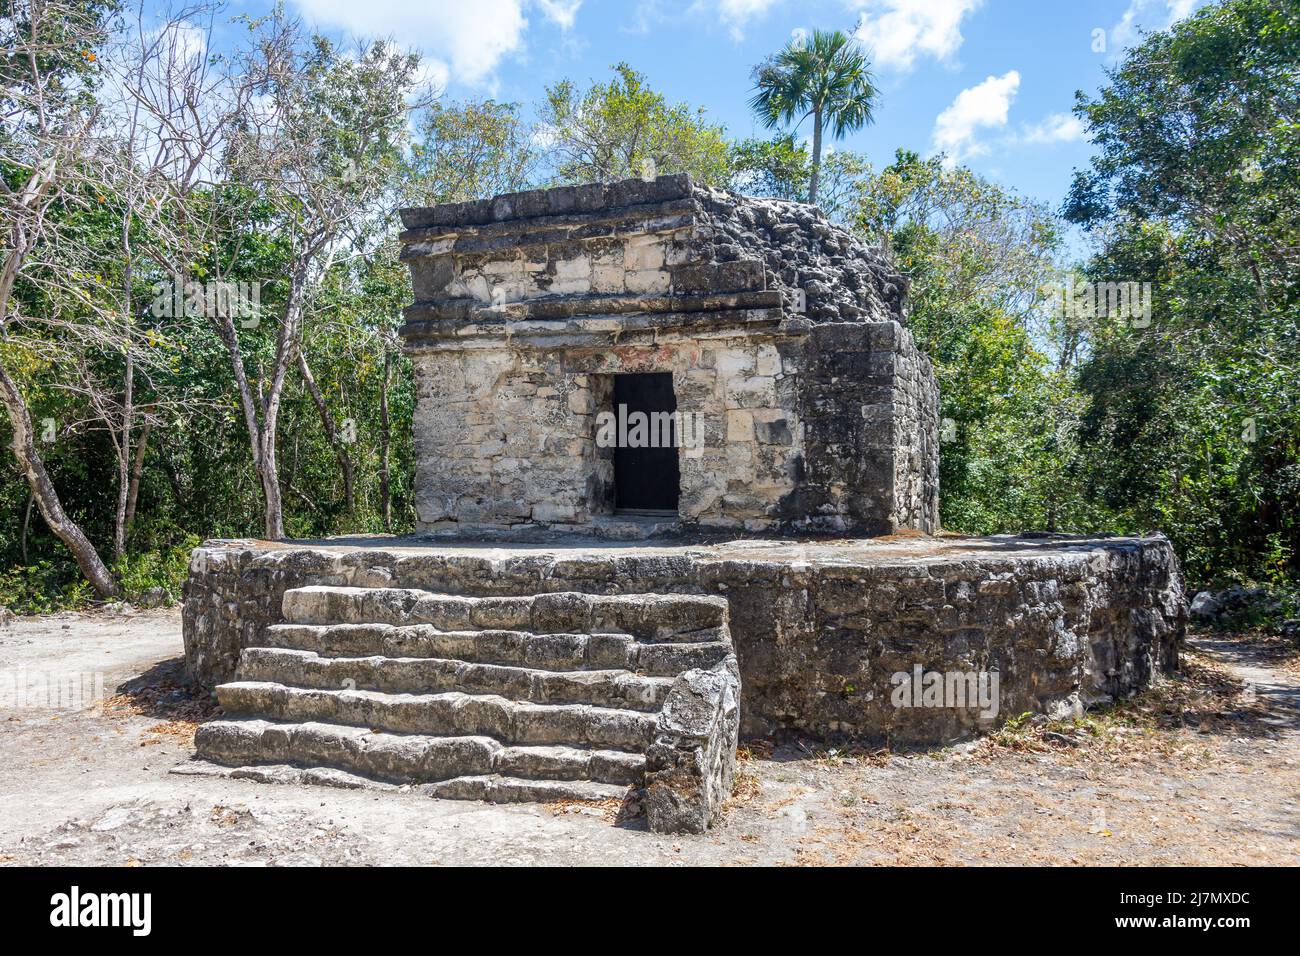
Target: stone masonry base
(822, 628)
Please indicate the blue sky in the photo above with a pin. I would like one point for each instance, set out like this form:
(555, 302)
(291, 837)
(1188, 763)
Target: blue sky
(991, 82)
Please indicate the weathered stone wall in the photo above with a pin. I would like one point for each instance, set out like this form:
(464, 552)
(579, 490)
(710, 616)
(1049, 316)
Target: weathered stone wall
(514, 439)
(526, 305)
(819, 628)
(828, 431)
(868, 409)
(916, 439)
(664, 237)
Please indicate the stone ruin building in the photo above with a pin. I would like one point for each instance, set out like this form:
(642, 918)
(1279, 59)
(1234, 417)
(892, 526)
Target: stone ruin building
(777, 334)
(584, 613)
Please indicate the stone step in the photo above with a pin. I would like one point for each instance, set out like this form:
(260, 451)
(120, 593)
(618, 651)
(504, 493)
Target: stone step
(554, 652)
(561, 696)
(646, 617)
(284, 773)
(501, 788)
(405, 758)
(450, 714)
(404, 675)
(493, 788)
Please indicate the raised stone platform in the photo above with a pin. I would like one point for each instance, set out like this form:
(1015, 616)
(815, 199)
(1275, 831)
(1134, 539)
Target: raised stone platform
(820, 627)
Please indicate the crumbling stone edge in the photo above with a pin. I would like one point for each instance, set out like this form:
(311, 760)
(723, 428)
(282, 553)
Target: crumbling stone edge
(691, 765)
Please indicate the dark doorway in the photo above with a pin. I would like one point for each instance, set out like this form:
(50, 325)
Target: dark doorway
(646, 478)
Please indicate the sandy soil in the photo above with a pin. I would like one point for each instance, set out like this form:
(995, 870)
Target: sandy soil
(1203, 769)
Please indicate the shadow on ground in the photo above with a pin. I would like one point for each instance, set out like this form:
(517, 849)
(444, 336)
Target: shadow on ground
(165, 691)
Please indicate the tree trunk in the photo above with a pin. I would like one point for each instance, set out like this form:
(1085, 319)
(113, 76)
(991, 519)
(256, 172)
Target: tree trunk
(137, 469)
(33, 200)
(180, 491)
(128, 402)
(286, 347)
(47, 498)
(385, 440)
(124, 459)
(816, 157)
(27, 524)
(270, 475)
(331, 431)
(261, 433)
(226, 331)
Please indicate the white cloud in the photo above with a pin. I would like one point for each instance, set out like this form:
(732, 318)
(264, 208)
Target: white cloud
(1055, 128)
(433, 73)
(984, 106)
(190, 42)
(544, 136)
(736, 14)
(1150, 15)
(645, 14)
(470, 37)
(898, 31)
(560, 12)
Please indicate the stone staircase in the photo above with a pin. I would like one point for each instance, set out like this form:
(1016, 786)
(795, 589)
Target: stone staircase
(538, 698)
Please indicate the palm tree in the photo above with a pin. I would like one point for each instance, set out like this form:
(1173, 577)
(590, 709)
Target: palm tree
(825, 77)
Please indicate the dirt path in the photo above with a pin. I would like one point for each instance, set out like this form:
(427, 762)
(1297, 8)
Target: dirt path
(1204, 769)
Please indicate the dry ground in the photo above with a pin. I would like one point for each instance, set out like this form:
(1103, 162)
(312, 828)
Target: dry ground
(1203, 769)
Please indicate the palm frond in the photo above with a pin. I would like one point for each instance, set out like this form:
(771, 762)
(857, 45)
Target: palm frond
(826, 73)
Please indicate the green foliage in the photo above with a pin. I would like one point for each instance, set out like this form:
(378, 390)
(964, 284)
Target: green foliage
(976, 255)
(331, 161)
(71, 69)
(824, 77)
(781, 169)
(56, 584)
(1192, 423)
(778, 168)
(140, 573)
(44, 587)
(352, 327)
(466, 151)
(1278, 604)
(624, 129)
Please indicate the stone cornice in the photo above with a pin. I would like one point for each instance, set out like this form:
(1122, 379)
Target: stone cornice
(580, 201)
(601, 331)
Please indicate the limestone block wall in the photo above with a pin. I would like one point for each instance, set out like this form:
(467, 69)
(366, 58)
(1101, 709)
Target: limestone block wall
(514, 439)
(831, 429)
(916, 438)
(869, 406)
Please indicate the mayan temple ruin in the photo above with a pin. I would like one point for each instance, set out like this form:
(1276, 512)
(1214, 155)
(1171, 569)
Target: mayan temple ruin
(676, 486)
